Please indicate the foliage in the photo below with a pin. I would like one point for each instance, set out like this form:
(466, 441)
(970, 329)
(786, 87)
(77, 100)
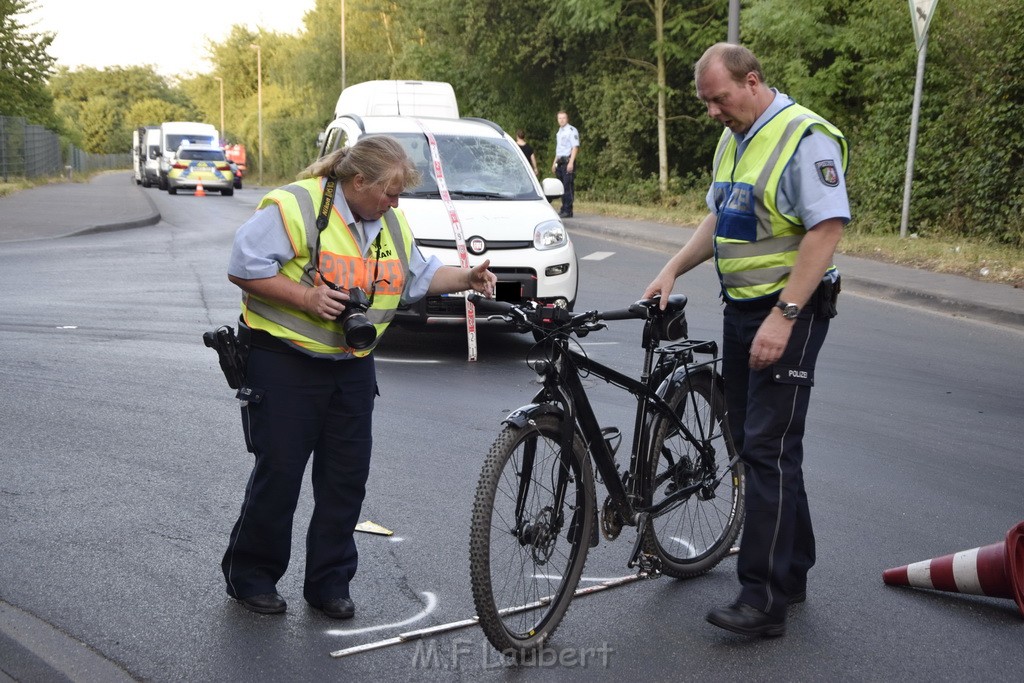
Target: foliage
(100, 107)
(25, 64)
(518, 63)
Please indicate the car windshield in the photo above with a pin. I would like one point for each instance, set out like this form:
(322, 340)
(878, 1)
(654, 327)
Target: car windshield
(174, 141)
(201, 155)
(474, 168)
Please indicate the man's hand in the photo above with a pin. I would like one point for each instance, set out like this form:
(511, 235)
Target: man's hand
(770, 341)
(660, 286)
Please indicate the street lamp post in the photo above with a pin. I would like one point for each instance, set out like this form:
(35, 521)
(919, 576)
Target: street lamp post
(342, 44)
(221, 82)
(259, 102)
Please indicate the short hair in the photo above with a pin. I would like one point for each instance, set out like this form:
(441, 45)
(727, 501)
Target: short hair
(380, 159)
(737, 60)
(520, 133)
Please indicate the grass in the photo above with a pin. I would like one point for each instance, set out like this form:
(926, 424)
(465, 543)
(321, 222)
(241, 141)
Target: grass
(987, 262)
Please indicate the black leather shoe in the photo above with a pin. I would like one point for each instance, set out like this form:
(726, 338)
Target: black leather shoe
(339, 608)
(264, 603)
(742, 618)
(797, 598)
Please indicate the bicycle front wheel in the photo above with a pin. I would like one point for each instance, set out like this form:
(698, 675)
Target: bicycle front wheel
(693, 533)
(533, 519)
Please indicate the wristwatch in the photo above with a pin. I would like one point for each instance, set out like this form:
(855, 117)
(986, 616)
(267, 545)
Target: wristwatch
(789, 311)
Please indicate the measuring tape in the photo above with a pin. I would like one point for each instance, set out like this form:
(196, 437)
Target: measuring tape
(460, 240)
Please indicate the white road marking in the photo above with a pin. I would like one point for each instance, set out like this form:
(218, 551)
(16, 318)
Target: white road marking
(598, 256)
(381, 359)
(431, 605)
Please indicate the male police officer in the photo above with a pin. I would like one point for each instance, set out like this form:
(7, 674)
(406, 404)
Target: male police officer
(567, 147)
(778, 206)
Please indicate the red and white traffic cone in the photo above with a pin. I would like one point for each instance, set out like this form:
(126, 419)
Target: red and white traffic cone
(200, 192)
(995, 570)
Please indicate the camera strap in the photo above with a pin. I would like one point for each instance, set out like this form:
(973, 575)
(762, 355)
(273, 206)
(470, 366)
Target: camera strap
(323, 217)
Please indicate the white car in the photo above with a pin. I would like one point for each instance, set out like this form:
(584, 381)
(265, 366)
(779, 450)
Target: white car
(505, 213)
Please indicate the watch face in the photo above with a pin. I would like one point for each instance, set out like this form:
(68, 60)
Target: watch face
(789, 311)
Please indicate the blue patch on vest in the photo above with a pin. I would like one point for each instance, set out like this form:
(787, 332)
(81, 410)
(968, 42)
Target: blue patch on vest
(736, 217)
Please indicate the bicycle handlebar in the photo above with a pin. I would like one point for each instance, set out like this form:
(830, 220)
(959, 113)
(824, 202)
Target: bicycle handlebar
(639, 310)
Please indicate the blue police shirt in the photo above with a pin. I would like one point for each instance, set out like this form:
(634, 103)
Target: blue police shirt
(566, 138)
(802, 192)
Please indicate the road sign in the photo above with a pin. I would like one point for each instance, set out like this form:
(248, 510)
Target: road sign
(921, 14)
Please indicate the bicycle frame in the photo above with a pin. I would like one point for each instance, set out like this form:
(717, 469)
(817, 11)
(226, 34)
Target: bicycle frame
(563, 387)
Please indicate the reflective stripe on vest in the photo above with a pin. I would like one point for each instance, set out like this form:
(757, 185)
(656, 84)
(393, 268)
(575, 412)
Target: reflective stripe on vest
(342, 263)
(755, 243)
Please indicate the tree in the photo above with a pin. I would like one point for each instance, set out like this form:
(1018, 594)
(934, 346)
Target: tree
(90, 99)
(25, 64)
(648, 36)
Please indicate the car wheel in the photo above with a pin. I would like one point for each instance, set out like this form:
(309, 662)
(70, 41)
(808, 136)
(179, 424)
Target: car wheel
(172, 190)
(228, 192)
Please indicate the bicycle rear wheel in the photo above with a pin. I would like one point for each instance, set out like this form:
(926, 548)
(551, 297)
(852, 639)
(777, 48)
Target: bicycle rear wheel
(528, 543)
(693, 534)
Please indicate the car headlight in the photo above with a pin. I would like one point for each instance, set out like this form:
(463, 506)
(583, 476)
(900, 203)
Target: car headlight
(550, 235)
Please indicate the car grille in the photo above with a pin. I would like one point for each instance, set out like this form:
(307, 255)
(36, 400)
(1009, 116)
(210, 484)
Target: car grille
(491, 244)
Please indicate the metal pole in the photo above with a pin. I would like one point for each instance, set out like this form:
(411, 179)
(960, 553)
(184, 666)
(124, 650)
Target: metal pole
(221, 82)
(734, 22)
(912, 147)
(259, 103)
(342, 44)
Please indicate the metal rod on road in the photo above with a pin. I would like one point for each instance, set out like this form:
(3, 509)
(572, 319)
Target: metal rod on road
(455, 625)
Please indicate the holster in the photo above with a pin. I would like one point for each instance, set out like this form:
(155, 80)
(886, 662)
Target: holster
(232, 353)
(825, 298)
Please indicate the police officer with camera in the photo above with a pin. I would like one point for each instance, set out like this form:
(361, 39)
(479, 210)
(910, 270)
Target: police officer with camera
(323, 264)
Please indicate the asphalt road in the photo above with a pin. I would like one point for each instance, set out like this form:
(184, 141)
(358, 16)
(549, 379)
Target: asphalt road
(124, 468)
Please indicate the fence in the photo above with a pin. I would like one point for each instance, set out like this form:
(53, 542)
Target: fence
(30, 151)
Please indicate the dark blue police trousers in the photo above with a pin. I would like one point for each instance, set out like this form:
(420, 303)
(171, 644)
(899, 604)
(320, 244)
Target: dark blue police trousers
(767, 411)
(308, 405)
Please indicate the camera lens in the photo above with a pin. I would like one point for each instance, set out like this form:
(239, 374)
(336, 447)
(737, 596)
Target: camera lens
(359, 332)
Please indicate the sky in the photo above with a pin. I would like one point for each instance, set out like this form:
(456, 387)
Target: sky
(168, 34)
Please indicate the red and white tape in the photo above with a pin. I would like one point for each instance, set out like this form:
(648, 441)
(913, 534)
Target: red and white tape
(460, 240)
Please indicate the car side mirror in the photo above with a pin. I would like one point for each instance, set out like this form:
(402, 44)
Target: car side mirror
(553, 188)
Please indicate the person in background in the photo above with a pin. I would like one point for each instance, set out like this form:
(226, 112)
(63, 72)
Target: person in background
(310, 379)
(567, 147)
(527, 150)
(778, 205)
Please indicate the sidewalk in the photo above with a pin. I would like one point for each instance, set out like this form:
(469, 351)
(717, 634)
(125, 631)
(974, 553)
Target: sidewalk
(112, 201)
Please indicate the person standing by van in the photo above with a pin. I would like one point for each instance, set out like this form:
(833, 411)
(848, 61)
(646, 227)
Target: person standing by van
(310, 379)
(567, 147)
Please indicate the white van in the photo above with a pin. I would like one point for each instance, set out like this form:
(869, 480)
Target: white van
(505, 213)
(154, 152)
(173, 133)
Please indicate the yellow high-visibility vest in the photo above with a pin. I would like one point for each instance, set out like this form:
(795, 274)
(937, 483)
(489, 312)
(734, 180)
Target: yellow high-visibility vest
(755, 243)
(341, 263)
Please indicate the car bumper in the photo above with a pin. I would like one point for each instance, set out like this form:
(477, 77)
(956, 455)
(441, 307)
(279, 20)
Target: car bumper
(192, 183)
(516, 283)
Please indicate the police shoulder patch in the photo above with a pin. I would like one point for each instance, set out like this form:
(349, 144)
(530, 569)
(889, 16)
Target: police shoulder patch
(827, 172)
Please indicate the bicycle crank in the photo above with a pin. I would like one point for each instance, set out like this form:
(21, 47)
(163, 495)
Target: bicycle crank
(611, 521)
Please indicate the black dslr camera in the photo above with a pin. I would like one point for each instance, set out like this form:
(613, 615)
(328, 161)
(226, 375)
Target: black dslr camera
(359, 332)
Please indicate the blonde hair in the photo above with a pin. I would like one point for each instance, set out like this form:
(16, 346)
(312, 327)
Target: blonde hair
(737, 60)
(380, 159)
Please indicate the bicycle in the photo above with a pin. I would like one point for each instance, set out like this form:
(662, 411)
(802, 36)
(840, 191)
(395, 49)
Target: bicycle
(535, 510)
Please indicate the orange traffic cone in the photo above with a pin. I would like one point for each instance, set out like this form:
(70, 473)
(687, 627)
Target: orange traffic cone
(200, 192)
(995, 570)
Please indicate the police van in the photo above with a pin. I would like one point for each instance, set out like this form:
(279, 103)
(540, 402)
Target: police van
(505, 213)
